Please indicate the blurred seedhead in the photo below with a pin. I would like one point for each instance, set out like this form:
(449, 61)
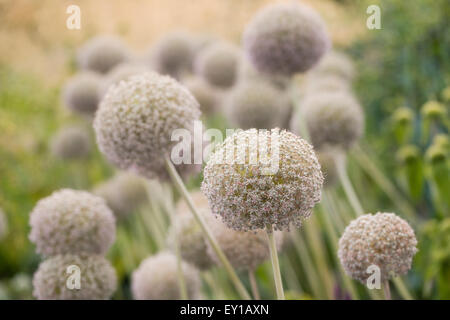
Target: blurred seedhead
(382, 239)
(334, 118)
(285, 38)
(136, 119)
(72, 221)
(101, 53)
(218, 64)
(124, 194)
(257, 104)
(327, 157)
(434, 110)
(71, 143)
(408, 154)
(446, 94)
(207, 96)
(316, 84)
(93, 279)
(80, 93)
(247, 72)
(156, 279)
(173, 54)
(336, 64)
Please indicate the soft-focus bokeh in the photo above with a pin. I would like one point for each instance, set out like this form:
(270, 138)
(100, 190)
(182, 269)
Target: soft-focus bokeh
(401, 165)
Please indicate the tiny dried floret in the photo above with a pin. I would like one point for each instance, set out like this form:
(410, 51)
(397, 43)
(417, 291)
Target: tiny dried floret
(136, 119)
(173, 54)
(156, 279)
(218, 64)
(124, 193)
(188, 234)
(257, 104)
(71, 143)
(334, 118)
(72, 221)
(245, 250)
(251, 191)
(100, 54)
(80, 93)
(285, 39)
(383, 240)
(55, 278)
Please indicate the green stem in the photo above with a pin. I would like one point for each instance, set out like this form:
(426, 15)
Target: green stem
(254, 284)
(209, 236)
(386, 290)
(275, 263)
(402, 289)
(347, 185)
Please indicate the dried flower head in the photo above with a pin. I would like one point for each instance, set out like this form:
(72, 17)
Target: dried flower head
(121, 72)
(285, 39)
(247, 72)
(250, 192)
(71, 143)
(71, 221)
(334, 118)
(124, 193)
(156, 279)
(383, 239)
(54, 280)
(173, 54)
(336, 64)
(245, 250)
(136, 119)
(190, 238)
(206, 95)
(80, 93)
(219, 64)
(257, 104)
(102, 53)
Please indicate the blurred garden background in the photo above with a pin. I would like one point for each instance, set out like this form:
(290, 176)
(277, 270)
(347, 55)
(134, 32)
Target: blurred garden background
(401, 165)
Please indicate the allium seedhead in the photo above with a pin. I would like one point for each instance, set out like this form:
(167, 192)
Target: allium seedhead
(71, 221)
(206, 95)
(446, 94)
(3, 224)
(250, 195)
(121, 72)
(55, 278)
(80, 93)
(245, 250)
(123, 194)
(100, 54)
(286, 39)
(408, 154)
(219, 64)
(71, 143)
(334, 119)
(436, 154)
(383, 239)
(174, 53)
(336, 64)
(156, 279)
(247, 72)
(136, 119)
(257, 104)
(190, 238)
(317, 84)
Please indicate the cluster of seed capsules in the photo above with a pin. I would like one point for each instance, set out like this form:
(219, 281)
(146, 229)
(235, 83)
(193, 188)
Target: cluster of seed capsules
(136, 102)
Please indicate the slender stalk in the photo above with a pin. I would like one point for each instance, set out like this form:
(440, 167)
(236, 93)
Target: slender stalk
(366, 163)
(402, 289)
(386, 290)
(275, 263)
(254, 285)
(209, 236)
(347, 185)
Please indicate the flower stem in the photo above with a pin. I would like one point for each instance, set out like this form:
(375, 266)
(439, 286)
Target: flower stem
(254, 284)
(209, 236)
(275, 263)
(387, 290)
(348, 188)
